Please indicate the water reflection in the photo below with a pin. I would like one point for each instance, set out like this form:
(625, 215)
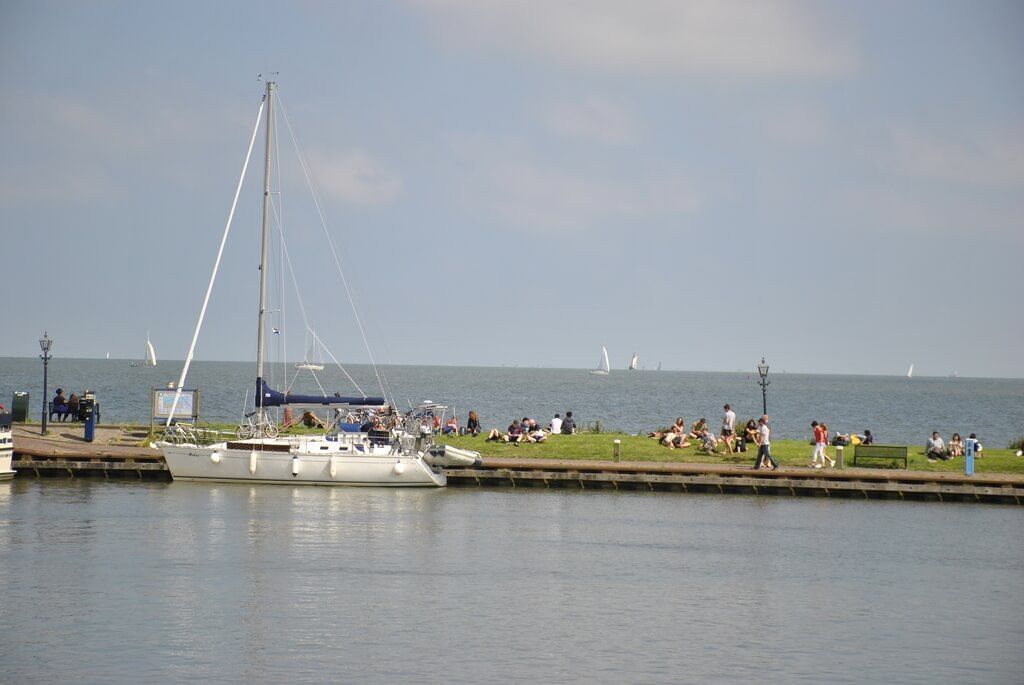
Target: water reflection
(201, 582)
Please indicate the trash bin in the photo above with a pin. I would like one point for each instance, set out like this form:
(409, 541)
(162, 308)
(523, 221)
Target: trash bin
(89, 417)
(19, 406)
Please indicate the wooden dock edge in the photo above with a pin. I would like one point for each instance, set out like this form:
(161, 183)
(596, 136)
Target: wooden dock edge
(681, 478)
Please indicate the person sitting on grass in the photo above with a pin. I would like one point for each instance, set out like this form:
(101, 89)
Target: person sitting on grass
(956, 446)
(451, 427)
(698, 428)
(708, 441)
(311, 420)
(472, 425)
(537, 435)
(568, 424)
(675, 436)
(935, 449)
(973, 438)
(749, 434)
(868, 438)
(515, 433)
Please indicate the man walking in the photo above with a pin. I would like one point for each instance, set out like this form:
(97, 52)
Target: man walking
(728, 428)
(764, 444)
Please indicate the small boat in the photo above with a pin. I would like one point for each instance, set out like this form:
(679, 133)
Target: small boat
(150, 356)
(910, 371)
(634, 363)
(311, 362)
(603, 367)
(6, 446)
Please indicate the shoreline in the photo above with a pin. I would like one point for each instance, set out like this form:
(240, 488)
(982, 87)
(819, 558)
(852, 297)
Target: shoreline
(62, 457)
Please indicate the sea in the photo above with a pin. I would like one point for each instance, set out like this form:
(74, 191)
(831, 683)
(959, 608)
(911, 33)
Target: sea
(895, 409)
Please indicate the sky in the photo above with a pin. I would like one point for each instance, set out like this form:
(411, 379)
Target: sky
(836, 186)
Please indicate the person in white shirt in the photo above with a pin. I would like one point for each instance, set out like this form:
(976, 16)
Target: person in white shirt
(728, 428)
(936, 448)
(556, 425)
(764, 450)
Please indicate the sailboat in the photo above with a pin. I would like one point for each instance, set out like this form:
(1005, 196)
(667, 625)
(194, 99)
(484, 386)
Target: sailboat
(910, 371)
(634, 363)
(149, 357)
(603, 367)
(387, 450)
(308, 363)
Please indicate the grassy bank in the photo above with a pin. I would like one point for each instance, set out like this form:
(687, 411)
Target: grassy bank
(786, 452)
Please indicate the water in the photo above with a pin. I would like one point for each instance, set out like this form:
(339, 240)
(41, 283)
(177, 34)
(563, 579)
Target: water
(895, 409)
(153, 582)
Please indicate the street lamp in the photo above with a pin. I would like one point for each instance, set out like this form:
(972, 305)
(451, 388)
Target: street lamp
(762, 371)
(45, 344)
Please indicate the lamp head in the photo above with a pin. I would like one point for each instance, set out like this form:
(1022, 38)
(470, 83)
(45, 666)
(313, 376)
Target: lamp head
(762, 368)
(45, 343)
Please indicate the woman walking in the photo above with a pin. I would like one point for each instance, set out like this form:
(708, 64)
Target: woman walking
(819, 457)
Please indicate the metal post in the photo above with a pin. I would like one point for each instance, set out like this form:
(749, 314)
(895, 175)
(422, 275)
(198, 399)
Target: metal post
(46, 361)
(969, 457)
(764, 398)
(45, 343)
(616, 449)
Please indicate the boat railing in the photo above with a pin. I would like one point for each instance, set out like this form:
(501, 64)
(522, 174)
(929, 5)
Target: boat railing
(187, 434)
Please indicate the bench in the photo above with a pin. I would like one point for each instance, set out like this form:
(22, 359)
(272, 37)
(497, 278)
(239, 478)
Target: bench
(880, 452)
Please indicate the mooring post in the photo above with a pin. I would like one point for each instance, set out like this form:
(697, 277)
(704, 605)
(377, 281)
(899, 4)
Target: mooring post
(616, 449)
(969, 444)
(839, 457)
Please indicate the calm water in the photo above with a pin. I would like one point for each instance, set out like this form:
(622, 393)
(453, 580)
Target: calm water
(147, 582)
(893, 408)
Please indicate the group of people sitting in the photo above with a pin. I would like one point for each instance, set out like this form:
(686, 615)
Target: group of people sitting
(937, 450)
(677, 437)
(66, 407)
(529, 430)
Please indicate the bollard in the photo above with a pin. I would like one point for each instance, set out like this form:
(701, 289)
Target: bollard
(839, 457)
(969, 456)
(616, 449)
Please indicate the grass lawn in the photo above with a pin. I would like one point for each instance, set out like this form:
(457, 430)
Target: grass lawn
(786, 452)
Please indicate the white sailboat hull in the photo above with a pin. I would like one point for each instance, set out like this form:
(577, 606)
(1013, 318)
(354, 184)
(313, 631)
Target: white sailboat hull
(6, 453)
(239, 462)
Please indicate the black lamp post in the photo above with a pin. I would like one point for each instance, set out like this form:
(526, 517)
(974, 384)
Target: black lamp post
(762, 371)
(45, 344)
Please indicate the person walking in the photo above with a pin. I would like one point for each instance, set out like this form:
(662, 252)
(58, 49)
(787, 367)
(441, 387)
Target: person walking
(819, 456)
(764, 444)
(728, 428)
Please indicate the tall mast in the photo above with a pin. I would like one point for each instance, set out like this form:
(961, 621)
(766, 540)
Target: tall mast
(271, 86)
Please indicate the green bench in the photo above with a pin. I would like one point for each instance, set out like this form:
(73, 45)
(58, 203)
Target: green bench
(880, 452)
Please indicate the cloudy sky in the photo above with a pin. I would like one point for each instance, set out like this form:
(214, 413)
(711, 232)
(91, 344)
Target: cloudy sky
(837, 186)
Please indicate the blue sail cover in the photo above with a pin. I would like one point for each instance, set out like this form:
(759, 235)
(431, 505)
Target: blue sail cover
(267, 397)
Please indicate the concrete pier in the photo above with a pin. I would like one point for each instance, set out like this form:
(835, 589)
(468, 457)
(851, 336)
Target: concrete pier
(68, 456)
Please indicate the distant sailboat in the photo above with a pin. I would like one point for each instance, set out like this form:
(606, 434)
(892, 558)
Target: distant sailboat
(659, 366)
(910, 371)
(308, 362)
(603, 367)
(108, 355)
(634, 363)
(150, 356)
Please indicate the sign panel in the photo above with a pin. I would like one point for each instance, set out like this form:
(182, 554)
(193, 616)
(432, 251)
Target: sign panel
(188, 404)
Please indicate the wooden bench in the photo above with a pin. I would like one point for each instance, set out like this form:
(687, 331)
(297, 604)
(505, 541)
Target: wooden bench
(880, 452)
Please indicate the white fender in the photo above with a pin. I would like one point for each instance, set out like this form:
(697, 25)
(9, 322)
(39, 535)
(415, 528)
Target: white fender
(295, 465)
(215, 457)
(252, 463)
(332, 467)
(399, 468)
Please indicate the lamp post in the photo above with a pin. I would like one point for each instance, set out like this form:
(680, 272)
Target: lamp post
(762, 371)
(45, 343)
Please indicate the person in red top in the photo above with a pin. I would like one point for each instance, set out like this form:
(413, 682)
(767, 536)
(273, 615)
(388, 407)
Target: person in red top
(819, 457)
